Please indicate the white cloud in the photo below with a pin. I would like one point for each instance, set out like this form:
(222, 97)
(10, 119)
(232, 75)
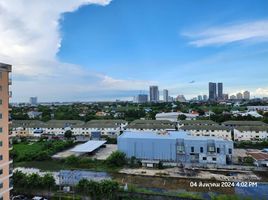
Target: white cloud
(261, 92)
(30, 39)
(256, 31)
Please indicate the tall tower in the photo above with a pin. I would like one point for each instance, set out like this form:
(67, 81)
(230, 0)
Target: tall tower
(246, 95)
(220, 91)
(154, 94)
(212, 94)
(5, 161)
(165, 95)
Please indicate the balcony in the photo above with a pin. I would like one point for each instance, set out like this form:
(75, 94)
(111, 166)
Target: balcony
(10, 81)
(10, 94)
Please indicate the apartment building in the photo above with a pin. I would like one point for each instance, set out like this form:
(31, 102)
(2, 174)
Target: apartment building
(208, 130)
(5, 161)
(250, 133)
(25, 128)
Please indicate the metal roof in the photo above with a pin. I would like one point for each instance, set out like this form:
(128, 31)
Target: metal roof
(167, 135)
(89, 146)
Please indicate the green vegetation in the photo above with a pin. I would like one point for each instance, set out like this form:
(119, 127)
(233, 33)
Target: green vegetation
(253, 145)
(106, 189)
(228, 197)
(117, 159)
(68, 134)
(134, 189)
(32, 182)
(38, 151)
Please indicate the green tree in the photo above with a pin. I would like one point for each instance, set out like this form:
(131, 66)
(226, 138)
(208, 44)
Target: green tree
(68, 134)
(181, 117)
(116, 159)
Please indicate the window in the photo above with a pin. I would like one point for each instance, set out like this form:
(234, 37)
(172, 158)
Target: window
(1, 157)
(192, 149)
(218, 150)
(214, 159)
(1, 116)
(211, 148)
(201, 150)
(1, 129)
(1, 185)
(1, 171)
(204, 158)
(180, 149)
(1, 102)
(230, 151)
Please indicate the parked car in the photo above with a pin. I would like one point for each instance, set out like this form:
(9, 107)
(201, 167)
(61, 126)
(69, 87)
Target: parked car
(19, 197)
(38, 198)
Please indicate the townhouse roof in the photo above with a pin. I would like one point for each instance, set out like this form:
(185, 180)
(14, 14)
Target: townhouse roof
(244, 123)
(63, 123)
(151, 124)
(258, 155)
(27, 123)
(205, 127)
(252, 128)
(198, 122)
(104, 123)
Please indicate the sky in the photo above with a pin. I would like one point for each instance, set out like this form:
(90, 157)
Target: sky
(91, 50)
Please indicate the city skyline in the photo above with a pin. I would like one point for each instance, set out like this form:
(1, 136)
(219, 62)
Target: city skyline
(86, 52)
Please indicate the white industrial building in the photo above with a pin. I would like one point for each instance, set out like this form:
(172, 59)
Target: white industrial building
(173, 116)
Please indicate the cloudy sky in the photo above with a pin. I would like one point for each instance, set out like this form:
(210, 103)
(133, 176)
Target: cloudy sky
(85, 50)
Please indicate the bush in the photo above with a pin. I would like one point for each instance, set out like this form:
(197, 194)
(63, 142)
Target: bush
(116, 159)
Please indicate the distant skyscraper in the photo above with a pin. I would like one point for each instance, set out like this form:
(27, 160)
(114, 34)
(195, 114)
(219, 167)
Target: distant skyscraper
(154, 93)
(181, 98)
(225, 96)
(220, 91)
(33, 101)
(246, 95)
(205, 97)
(212, 88)
(165, 95)
(239, 95)
(233, 97)
(199, 98)
(142, 98)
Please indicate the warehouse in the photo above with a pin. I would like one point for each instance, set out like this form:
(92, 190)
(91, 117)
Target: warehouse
(176, 147)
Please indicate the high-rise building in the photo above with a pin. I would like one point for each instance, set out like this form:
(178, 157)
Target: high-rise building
(33, 101)
(212, 88)
(6, 173)
(239, 95)
(180, 98)
(199, 98)
(225, 96)
(205, 97)
(165, 95)
(142, 98)
(154, 93)
(220, 91)
(246, 95)
(233, 97)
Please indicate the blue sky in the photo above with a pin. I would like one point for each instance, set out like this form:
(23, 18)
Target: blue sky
(117, 48)
(147, 40)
